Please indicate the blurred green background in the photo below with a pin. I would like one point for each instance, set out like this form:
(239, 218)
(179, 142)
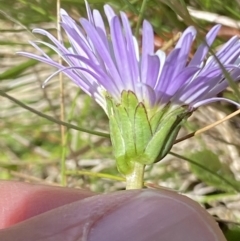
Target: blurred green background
(206, 167)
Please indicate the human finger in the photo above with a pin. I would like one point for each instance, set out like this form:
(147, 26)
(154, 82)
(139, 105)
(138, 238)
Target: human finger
(20, 201)
(143, 215)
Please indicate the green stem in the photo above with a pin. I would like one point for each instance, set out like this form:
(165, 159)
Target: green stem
(50, 118)
(220, 177)
(134, 180)
(94, 174)
(64, 147)
(140, 18)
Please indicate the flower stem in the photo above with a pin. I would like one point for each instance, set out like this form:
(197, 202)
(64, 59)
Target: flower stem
(140, 18)
(50, 118)
(134, 180)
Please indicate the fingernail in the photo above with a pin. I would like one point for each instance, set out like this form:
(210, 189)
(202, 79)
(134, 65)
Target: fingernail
(156, 216)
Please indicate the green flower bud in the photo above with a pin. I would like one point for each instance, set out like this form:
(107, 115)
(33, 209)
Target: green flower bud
(139, 134)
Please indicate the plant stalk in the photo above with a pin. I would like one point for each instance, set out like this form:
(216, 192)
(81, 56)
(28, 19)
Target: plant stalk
(134, 180)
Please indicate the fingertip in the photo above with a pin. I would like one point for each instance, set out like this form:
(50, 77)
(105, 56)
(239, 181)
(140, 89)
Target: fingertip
(143, 215)
(20, 201)
(157, 215)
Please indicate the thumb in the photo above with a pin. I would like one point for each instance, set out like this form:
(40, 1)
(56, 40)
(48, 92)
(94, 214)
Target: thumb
(143, 215)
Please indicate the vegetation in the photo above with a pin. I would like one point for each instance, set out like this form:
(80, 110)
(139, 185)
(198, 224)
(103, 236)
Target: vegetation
(205, 167)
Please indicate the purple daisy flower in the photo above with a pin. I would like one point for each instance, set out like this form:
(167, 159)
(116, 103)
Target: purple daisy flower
(98, 64)
(146, 96)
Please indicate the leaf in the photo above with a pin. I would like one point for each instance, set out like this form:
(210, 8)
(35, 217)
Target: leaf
(126, 127)
(130, 103)
(16, 70)
(142, 129)
(9, 167)
(121, 132)
(211, 161)
(116, 138)
(155, 120)
(163, 139)
(232, 233)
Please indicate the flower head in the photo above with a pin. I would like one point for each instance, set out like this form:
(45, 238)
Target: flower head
(98, 64)
(147, 95)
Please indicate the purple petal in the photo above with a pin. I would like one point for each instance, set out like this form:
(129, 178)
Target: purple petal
(59, 46)
(121, 56)
(152, 70)
(148, 95)
(183, 77)
(78, 40)
(168, 68)
(208, 101)
(100, 27)
(223, 85)
(202, 50)
(69, 73)
(105, 80)
(227, 52)
(183, 54)
(98, 21)
(147, 48)
(110, 14)
(189, 31)
(102, 50)
(132, 60)
(89, 12)
(162, 59)
(198, 86)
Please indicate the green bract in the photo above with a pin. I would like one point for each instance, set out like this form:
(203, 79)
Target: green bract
(139, 134)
